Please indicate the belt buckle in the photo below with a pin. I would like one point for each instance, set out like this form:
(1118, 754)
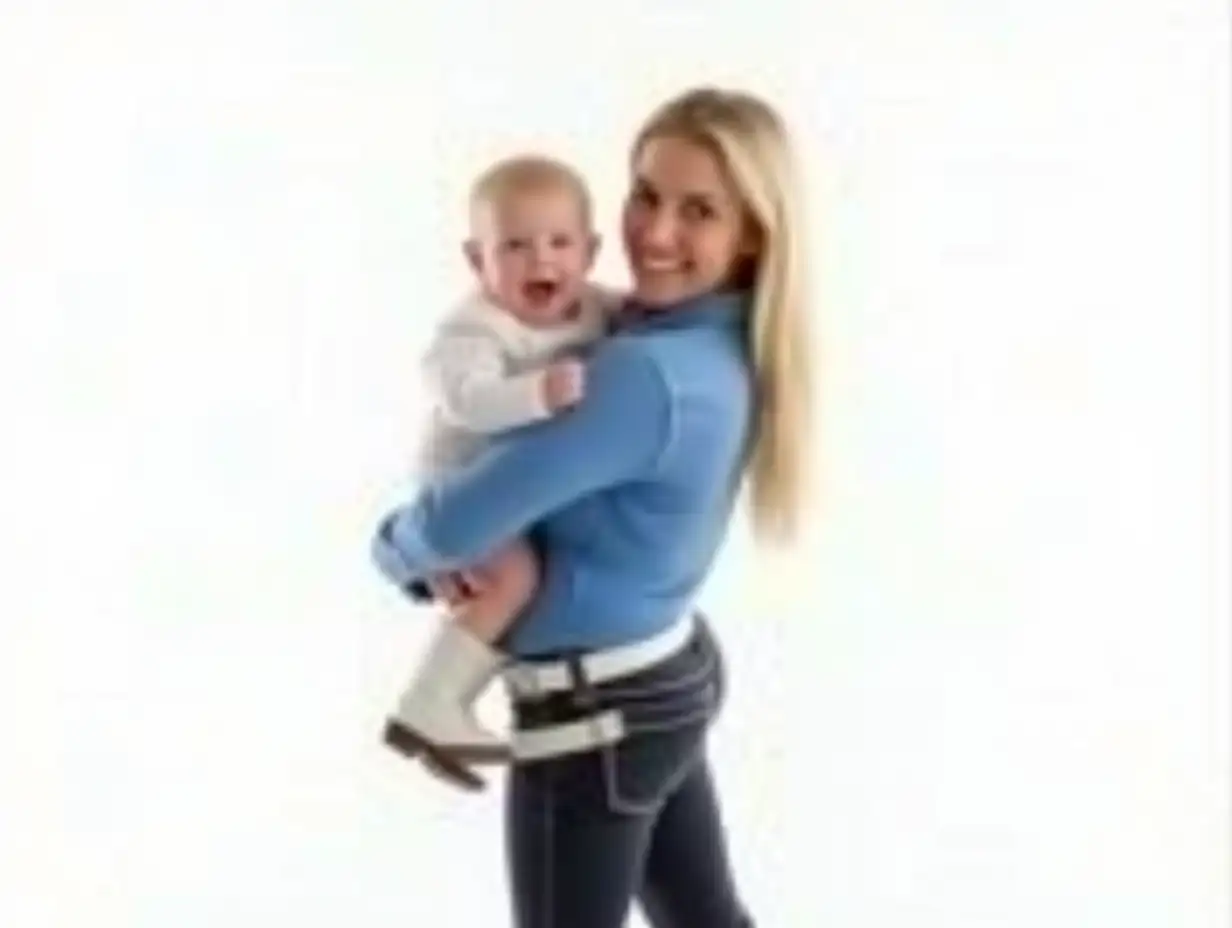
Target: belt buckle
(605, 727)
(524, 682)
(586, 698)
(581, 690)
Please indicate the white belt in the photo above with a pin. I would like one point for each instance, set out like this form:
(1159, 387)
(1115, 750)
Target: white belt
(580, 735)
(529, 679)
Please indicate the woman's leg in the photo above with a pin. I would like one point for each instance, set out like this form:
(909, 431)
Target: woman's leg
(687, 882)
(572, 862)
(589, 832)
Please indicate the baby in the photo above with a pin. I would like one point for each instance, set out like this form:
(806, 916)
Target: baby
(504, 357)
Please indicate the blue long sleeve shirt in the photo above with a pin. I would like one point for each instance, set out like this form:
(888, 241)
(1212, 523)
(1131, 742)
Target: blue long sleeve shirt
(627, 495)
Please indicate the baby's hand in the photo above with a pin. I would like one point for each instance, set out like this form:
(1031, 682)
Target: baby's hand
(564, 383)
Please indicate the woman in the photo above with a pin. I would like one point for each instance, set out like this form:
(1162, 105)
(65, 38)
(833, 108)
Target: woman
(616, 679)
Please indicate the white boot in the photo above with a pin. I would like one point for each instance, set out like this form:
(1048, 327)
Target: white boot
(438, 705)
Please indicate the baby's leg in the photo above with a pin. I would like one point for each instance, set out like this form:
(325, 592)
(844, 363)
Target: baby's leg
(436, 711)
(506, 584)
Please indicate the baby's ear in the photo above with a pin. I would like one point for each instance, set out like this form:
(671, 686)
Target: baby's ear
(596, 242)
(473, 254)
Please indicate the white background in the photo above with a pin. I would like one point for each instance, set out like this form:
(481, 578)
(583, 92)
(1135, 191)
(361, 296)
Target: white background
(997, 693)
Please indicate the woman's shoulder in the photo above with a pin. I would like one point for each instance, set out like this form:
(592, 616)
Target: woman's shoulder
(624, 362)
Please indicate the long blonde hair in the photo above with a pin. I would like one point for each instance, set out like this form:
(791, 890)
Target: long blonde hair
(752, 144)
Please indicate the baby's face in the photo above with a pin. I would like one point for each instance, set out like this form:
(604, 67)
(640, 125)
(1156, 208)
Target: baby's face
(532, 252)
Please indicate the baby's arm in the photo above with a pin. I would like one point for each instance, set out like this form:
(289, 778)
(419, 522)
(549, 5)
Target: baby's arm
(466, 371)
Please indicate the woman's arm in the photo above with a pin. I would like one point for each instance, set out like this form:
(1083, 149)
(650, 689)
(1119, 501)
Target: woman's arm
(615, 434)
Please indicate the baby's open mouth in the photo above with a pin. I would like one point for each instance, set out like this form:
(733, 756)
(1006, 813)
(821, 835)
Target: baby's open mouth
(540, 291)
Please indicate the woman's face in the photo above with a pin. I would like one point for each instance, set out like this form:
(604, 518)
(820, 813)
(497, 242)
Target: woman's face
(684, 225)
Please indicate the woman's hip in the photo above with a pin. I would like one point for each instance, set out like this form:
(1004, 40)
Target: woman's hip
(619, 745)
(668, 680)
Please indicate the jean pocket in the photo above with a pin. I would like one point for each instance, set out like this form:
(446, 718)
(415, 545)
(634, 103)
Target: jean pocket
(641, 771)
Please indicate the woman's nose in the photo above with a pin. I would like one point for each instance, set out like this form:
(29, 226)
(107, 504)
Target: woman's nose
(659, 230)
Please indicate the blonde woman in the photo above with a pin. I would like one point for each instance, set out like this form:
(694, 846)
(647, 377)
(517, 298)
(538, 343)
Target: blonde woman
(614, 675)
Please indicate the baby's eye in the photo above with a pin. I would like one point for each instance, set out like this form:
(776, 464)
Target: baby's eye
(516, 244)
(562, 241)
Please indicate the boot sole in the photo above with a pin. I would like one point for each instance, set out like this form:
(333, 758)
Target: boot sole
(448, 761)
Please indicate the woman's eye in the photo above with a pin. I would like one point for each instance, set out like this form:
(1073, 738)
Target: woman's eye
(697, 211)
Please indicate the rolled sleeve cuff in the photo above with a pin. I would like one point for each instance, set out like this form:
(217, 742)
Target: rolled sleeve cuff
(419, 591)
(396, 562)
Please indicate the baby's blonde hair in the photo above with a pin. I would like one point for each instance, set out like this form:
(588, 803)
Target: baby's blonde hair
(528, 173)
(751, 143)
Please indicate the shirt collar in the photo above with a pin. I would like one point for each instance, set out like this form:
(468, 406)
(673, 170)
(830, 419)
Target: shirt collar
(715, 309)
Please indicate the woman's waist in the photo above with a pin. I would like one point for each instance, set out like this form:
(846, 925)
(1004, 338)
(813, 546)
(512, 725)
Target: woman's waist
(664, 676)
(557, 669)
(573, 618)
(590, 599)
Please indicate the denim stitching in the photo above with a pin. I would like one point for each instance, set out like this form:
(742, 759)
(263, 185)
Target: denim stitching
(609, 754)
(617, 801)
(638, 717)
(546, 906)
(609, 758)
(698, 715)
